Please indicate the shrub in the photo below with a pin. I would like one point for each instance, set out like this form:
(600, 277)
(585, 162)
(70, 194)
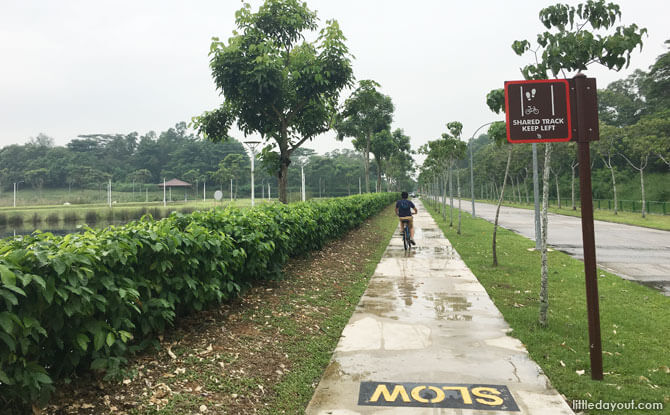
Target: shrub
(86, 299)
(3, 219)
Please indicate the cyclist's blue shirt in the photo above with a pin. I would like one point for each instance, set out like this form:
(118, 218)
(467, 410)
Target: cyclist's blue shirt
(404, 207)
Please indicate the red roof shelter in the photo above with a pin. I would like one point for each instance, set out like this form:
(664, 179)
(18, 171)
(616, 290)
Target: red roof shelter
(175, 183)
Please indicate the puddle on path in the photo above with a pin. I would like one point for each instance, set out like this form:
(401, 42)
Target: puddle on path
(390, 298)
(446, 252)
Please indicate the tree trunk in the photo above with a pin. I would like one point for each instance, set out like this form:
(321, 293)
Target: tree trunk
(451, 198)
(518, 189)
(544, 282)
(558, 190)
(502, 195)
(458, 190)
(644, 203)
(444, 197)
(367, 163)
(616, 210)
(282, 178)
(525, 188)
(379, 177)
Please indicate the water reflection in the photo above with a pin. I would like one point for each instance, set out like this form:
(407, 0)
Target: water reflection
(449, 307)
(10, 231)
(407, 290)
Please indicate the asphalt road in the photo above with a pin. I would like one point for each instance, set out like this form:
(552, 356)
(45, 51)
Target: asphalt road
(632, 252)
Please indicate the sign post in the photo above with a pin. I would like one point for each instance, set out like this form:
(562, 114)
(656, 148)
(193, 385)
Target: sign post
(538, 111)
(558, 110)
(587, 130)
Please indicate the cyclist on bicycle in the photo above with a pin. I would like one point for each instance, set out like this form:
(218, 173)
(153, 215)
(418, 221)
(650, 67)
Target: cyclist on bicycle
(403, 208)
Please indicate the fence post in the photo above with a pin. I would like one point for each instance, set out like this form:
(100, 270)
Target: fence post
(664, 208)
(633, 206)
(608, 205)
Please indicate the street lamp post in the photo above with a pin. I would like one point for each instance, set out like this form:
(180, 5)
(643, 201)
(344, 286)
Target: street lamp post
(16, 188)
(252, 147)
(303, 162)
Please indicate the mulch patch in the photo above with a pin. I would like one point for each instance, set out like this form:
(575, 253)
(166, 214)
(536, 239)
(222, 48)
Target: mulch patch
(227, 360)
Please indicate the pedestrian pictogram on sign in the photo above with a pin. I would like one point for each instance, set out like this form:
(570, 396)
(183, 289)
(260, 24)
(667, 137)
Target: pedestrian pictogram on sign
(538, 111)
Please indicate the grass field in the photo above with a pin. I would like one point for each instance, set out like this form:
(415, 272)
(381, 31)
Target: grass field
(635, 320)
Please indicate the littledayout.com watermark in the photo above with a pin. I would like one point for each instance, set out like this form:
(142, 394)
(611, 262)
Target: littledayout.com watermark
(583, 404)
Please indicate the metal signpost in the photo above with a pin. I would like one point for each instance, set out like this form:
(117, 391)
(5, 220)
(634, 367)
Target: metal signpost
(541, 111)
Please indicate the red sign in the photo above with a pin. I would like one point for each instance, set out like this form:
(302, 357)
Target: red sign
(538, 111)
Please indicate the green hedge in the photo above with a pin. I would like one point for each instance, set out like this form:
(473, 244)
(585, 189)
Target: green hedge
(85, 300)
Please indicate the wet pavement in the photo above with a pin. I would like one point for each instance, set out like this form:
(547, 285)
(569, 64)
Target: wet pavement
(427, 339)
(632, 252)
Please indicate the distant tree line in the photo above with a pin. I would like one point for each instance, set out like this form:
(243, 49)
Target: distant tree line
(131, 160)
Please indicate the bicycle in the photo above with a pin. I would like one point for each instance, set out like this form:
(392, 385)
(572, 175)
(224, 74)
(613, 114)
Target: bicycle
(405, 235)
(532, 110)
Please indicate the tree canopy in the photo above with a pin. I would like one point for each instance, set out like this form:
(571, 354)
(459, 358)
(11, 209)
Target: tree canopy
(274, 82)
(366, 112)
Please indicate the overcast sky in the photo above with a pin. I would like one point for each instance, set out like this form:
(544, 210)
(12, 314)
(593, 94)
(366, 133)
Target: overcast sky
(72, 67)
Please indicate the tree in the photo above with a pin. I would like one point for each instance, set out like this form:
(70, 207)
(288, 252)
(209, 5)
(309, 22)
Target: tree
(621, 103)
(42, 140)
(275, 83)
(572, 46)
(606, 148)
(440, 156)
(140, 176)
(4, 178)
(191, 176)
(382, 146)
(229, 169)
(386, 145)
(36, 178)
(498, 134)
(458, 152)
(658, 126)
(366, 112)
(400, 163)
(562, 157)
(656, 85)
(641, 141)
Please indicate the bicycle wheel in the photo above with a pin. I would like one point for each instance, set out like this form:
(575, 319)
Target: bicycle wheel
(405, 236)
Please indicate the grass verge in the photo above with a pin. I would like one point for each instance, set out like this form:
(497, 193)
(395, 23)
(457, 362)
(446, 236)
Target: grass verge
(262, 354)
(653, 221)
(635, 320)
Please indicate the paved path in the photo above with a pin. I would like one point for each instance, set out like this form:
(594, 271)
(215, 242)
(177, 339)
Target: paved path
(427, 339)
(632, 252)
